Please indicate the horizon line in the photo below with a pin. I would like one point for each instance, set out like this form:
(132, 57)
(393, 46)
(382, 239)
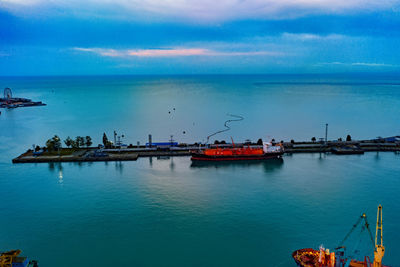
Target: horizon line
(206, 74)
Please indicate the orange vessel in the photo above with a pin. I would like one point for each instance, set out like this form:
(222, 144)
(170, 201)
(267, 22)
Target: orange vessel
(268, 151)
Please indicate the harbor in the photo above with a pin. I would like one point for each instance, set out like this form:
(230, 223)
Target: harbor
(184, 133)
(163, 209)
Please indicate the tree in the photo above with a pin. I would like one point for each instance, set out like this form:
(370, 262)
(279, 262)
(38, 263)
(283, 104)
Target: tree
(80, 141)
(88, 141)
(53, 143)
(74, 144)
(340, 139)
(105, 140)
(50, 145)
(68, 141)
(216, 142)
(348, 138)
(292, 141)
(57, 142)
(223, 142)
(259, 142)
(313, 139)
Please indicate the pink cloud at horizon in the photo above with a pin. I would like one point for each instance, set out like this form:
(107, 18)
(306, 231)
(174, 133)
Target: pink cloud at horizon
(173, 52)
(168, 52)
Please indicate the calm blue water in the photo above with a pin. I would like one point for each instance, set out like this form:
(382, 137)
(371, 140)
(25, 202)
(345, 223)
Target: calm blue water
(156, 212)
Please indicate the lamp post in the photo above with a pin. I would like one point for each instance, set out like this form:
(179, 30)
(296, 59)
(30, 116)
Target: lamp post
(326, 133)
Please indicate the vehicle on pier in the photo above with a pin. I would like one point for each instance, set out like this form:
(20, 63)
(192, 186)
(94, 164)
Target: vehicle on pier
(267, 151)
(309, 257)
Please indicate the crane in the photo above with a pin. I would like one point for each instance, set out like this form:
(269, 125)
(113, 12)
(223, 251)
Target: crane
(7, 258)
(379, 250)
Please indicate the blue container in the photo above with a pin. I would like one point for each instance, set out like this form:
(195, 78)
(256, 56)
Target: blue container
(20, 262)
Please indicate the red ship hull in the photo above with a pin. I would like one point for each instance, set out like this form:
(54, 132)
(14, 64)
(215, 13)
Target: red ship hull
(198, 156)
(308, 257)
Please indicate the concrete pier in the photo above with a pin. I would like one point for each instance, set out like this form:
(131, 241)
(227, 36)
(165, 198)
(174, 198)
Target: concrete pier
(85, 155)
(130, 154)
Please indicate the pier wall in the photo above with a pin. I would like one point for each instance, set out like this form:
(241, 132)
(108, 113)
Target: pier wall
(130, 154)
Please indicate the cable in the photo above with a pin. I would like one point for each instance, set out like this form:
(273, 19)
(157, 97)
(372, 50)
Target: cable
(239, 118)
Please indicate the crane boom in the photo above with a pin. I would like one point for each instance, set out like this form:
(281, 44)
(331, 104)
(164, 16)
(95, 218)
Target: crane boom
(379, 250)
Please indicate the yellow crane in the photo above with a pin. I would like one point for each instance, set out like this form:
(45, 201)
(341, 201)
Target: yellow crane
(379, 250)
(7, 258)
(12, 258)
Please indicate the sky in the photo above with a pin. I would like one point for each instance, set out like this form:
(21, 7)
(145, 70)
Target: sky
(76, 37)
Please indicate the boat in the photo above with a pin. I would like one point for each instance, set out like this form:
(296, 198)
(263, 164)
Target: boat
(347, 150)
(12, 259)
(309, 257)
(243, 153)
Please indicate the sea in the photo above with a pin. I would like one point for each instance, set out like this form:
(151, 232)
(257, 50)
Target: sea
(171, 212)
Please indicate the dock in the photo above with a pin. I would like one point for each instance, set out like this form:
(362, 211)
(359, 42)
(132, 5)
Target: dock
(94, 154)
(82, 155)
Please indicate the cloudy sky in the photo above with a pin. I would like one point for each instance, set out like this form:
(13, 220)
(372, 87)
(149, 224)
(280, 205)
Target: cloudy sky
(60, 37)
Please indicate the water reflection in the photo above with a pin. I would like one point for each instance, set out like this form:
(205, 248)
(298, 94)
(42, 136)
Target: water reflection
(53, 166)
(268, 165)
(163, 162)
(321, 158)
(377, 156)
(119, 166)
(60, 176)
(172, 164)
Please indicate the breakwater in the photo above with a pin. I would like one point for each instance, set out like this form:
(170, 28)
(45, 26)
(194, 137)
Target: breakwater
(130, 154)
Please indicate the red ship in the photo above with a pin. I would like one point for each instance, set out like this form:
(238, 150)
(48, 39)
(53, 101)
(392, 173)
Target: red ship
(268, 151)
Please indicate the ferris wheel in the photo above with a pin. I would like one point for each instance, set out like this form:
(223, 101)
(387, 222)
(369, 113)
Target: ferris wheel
(7, 93)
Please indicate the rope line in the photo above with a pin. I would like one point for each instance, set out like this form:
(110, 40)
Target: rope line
(238, 118)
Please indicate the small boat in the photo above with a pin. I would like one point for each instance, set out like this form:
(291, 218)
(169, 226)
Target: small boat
(267, 151)
(309, 257)
(347, 150)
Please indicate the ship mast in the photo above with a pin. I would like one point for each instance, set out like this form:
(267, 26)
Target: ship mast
(379, 251)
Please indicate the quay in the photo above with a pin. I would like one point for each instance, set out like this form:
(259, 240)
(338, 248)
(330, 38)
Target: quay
(81, 155)
(92, 154)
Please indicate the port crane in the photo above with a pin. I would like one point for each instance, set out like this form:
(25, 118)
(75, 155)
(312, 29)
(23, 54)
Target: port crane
(11, 258)
(7, 258)
(379, 249)
(309, 257)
